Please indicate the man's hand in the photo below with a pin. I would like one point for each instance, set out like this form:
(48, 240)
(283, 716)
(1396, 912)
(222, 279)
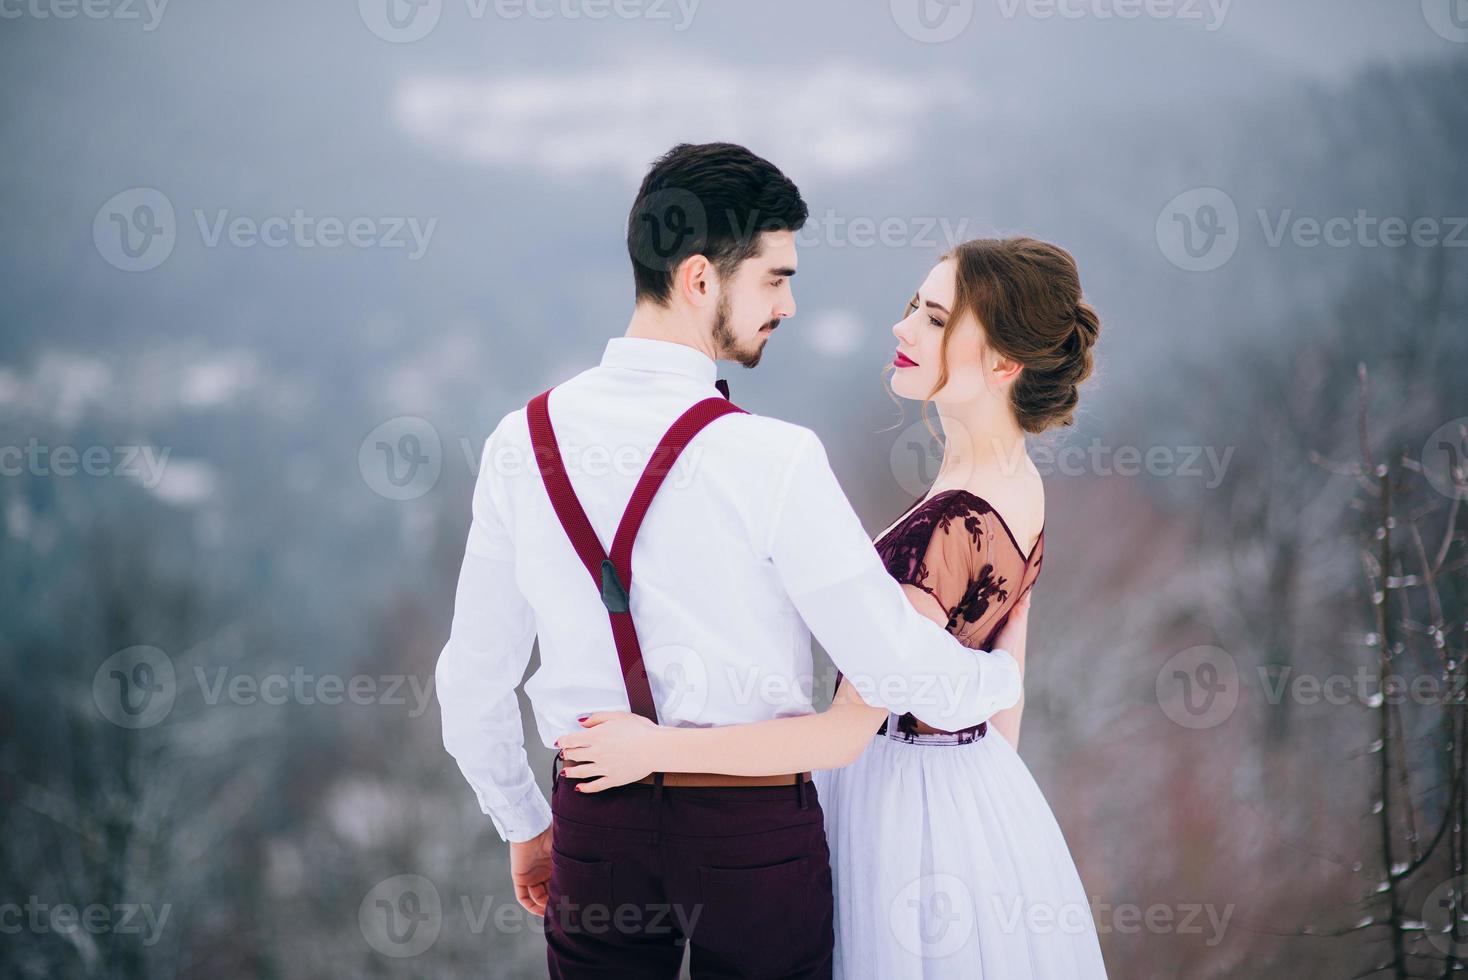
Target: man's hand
(530, 869)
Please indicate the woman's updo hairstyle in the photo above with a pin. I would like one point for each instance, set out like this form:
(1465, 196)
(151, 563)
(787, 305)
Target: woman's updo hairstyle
(1026, 296)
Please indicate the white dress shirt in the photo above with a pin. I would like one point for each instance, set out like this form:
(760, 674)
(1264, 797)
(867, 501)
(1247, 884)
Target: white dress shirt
(749, 548)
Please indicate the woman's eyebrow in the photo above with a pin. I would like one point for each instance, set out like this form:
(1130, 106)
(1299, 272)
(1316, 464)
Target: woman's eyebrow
(782, 271)
(929, 302)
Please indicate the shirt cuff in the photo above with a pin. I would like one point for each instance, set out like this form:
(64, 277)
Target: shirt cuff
(522, 820)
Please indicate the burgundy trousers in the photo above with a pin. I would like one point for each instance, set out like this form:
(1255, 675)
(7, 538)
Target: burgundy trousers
(741, 874)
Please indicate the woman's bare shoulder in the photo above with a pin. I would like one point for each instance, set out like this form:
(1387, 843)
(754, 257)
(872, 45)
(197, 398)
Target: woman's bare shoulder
(1018, 499)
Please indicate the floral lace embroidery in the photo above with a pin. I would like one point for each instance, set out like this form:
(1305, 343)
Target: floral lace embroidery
(976, 582)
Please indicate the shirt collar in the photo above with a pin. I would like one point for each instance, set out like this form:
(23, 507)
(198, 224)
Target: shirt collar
(646, 354)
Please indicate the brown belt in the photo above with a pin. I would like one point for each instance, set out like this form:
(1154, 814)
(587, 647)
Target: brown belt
(693, 779)
(722, 779)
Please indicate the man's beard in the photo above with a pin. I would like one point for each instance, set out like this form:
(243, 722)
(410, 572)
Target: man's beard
(725, 341)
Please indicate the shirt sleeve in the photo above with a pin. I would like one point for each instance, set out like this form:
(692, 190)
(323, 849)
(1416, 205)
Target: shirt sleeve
(895, 656)
(481, 665)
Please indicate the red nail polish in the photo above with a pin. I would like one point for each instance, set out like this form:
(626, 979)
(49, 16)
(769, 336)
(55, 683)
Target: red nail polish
(583, 717)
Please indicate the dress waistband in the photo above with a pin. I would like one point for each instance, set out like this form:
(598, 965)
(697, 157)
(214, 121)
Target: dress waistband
(904, 728)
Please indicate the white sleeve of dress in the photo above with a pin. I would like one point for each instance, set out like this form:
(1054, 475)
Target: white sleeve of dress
(895, 656)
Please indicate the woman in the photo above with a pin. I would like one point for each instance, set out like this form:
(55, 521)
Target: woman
(946, 859)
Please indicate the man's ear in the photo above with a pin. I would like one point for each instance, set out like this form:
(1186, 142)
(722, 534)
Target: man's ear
(694, 280)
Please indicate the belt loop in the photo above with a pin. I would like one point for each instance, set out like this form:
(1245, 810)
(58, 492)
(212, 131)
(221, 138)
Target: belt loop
(800, 790)
(657, 807)
(555, 771)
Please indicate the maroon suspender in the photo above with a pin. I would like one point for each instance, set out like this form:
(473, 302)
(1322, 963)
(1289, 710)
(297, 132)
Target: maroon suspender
(612, 575)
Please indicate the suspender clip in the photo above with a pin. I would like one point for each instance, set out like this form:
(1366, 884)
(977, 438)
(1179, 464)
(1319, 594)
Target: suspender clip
(613, 594)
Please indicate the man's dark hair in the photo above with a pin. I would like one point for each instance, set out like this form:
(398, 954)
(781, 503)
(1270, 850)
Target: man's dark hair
(709, 199)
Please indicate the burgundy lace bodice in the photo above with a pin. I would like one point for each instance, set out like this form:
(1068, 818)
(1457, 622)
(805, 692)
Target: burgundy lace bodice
(955, 547)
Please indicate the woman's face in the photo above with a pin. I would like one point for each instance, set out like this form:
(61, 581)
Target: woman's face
(920, 337)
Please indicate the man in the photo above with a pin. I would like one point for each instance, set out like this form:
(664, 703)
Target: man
(748, 549)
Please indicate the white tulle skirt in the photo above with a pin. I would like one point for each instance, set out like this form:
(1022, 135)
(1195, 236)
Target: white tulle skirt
(948, 863)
